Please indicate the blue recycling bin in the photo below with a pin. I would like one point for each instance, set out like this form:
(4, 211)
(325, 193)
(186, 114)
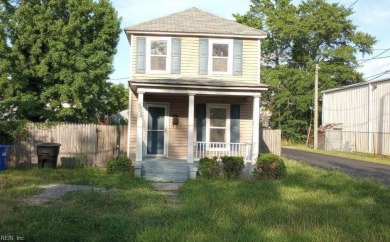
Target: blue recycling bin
(3, 156)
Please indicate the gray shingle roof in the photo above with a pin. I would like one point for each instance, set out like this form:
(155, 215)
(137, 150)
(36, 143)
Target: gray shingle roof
(196, 21)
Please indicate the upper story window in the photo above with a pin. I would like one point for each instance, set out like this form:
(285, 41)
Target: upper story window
(220, 56)
(158, 55)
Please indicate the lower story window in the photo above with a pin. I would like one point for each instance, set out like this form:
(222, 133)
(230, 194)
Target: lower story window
(218, 123)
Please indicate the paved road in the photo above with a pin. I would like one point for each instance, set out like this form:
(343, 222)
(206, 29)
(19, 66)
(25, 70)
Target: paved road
(355, 168)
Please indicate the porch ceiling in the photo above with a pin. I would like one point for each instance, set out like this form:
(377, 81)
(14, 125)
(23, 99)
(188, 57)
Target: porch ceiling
(203, 86)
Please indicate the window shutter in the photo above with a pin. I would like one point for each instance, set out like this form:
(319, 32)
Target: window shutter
(141, 55)
(176, 56)
(203, 56)
(235, 123)
(237, 57)
(201, 122)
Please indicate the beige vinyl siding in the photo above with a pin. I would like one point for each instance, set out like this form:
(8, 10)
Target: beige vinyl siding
(177, 136)
(190, 60)
(178, 105)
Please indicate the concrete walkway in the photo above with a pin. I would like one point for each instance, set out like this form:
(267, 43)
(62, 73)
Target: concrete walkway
(170, 190)
(167, 176)
(355, 168)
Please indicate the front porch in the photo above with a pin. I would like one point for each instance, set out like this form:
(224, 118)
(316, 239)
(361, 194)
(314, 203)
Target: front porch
(186, 121)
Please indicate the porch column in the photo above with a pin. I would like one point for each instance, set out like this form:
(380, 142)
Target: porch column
(255, 127)
(140, 107)
(190, 147)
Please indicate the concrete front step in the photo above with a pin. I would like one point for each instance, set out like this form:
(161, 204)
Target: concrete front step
(165, 173)
(164, 170)
(165, 178)
(153, 175)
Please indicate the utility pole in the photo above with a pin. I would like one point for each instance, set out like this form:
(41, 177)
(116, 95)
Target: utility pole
(316, 108)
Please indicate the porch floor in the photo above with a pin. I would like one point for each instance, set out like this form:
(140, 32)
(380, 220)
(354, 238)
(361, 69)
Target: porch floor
(165, 169)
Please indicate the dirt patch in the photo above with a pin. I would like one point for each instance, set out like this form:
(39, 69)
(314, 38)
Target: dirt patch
(58, 190)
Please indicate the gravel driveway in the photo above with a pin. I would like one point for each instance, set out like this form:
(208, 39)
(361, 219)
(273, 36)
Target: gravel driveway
(355, 168)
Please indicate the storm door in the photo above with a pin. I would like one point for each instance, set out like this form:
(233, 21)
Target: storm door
(156, 137)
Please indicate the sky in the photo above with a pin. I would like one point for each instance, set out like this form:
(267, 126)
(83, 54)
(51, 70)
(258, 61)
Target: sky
(371, 16)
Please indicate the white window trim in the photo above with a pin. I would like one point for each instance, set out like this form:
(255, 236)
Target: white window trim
(227, 137)
(148, 55)
(229, 42)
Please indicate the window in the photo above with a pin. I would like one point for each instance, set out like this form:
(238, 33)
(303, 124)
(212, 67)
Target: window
(218, 123)
(158, 52)
(158, 55)
(221, 56)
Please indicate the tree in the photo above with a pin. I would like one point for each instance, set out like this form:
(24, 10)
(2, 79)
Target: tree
(314, 32)
(118, 99)
(60, 54)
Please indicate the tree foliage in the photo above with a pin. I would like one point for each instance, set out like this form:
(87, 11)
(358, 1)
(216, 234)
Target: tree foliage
(57, 57)
(314, 32)
(118, 98)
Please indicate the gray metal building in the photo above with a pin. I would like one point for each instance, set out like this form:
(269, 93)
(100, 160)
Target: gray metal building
(361, 113)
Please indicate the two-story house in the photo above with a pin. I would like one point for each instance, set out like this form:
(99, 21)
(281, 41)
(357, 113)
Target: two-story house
(195, 88)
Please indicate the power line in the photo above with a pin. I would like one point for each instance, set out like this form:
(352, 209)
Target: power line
(373, 75)
(353, 4)
(343, 62)
(116, 79)
(378, 75)
(382, 57)
(380, 49)
(373, 58)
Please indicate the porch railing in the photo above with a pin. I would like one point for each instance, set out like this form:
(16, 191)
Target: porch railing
(211, 149)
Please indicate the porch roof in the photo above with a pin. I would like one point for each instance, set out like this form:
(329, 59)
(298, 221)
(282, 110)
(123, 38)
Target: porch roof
(205, 86)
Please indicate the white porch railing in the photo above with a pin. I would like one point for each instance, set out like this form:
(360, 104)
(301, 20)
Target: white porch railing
(211, 149)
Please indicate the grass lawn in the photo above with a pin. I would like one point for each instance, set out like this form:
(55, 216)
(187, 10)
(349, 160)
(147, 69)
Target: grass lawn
(308, 205)
(375, 158)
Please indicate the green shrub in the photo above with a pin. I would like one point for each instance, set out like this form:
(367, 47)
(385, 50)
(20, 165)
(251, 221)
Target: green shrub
(120, 165)
(209, 167)
(269, 166)
(232, 166)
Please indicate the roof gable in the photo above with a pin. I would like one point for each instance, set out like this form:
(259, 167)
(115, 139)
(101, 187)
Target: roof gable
(196, 22)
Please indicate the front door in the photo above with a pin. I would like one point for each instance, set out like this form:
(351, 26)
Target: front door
(156, 130)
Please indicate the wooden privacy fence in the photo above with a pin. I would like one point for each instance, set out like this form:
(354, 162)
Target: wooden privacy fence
(90, 144)
(270, 141)
(94, 145)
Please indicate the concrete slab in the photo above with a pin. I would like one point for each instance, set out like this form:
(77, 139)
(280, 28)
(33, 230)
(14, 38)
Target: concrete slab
(166, 186)
(165, 170)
